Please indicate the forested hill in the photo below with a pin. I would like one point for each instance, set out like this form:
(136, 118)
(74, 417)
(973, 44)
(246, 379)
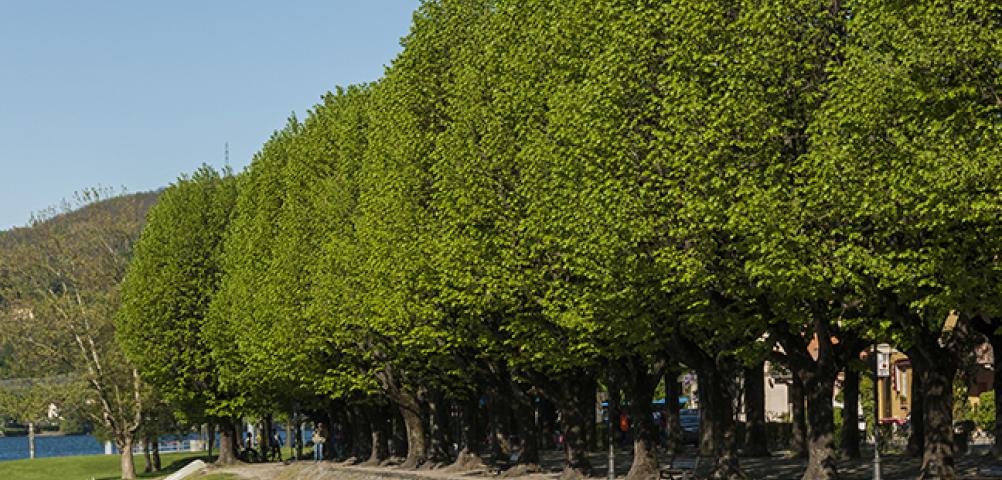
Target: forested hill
(131, 204)
(71, 226)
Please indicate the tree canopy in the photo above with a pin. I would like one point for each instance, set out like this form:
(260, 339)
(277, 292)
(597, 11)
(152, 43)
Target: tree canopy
(541, 195)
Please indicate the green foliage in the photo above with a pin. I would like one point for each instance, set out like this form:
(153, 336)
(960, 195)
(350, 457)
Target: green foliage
(247, 252)
(983, 413)
(905, 147)
(166, 294)
(554, 187)
(24, 401)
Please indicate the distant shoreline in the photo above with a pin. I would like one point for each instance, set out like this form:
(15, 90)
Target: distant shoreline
(24, 433)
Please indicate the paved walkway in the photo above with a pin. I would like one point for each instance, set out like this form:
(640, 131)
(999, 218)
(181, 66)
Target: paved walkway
(774, 468)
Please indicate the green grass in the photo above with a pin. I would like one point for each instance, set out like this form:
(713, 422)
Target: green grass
(103, 467)
(97, 467)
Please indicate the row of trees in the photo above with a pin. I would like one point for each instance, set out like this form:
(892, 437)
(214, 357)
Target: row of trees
(540, 199)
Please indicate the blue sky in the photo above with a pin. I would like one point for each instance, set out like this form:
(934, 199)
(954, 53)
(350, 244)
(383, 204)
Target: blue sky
(125, 93)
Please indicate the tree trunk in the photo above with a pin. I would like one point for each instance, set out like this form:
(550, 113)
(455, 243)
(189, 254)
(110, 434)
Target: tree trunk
(363, 438)
(31, 439)
(717, 381)
(523, 417)
(798, 437)
(266, 432)
(342, 433)
(756, 437)
(410, 409)
(719, 405)
(156, 453)
(500, 407)
(438, 426)
(210, 433)
(916, 434)
(547, 422)
(398, 447)
(228, 454)
(146, 455)
(378, 449)
(997, 387)
(528, 432)
(673, 389)
(814, 373)
(338, 419)
(590, 402)
(821, 461)
(472, 434)
(937, 457)
(708, 430)
(850, 414)
(127, 462)
(297, 430)
(640, 386)
(494, 414)
(573, 417)
(361, 434)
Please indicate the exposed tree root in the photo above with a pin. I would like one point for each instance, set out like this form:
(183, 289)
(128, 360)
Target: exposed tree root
(392, 462)
(520, 470)
(467, 462)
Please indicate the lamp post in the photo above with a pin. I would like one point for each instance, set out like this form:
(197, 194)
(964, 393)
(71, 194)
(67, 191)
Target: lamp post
(610, 436)
(876, 413)
(612, 451)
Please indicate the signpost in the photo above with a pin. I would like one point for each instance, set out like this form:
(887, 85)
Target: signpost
(883, 364)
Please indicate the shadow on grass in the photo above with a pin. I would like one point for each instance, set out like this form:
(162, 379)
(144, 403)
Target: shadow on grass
(167, 470)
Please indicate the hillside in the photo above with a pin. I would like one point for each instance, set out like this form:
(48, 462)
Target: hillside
(115, 205)
(70, 225)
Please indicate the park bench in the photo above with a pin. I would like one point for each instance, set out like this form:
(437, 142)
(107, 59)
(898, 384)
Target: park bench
(503, 465)
(680, 468)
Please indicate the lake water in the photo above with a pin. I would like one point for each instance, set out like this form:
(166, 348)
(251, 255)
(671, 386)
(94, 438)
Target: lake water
(16, 448)
(13, 448)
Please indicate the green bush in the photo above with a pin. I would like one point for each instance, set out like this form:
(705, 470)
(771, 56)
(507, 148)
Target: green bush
(983, 414)
(839, 425)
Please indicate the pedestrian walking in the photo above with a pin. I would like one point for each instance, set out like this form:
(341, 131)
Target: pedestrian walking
(276, 446)
(318, 442)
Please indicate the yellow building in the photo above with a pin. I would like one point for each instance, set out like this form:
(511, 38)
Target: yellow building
(895, 388)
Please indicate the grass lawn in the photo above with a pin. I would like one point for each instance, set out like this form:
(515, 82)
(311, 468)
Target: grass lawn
(97, 467)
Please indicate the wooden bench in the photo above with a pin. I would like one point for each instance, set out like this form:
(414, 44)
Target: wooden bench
(680, 469)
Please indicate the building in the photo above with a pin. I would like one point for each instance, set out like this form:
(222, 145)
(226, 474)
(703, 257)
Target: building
(897, 376)
(895, 387)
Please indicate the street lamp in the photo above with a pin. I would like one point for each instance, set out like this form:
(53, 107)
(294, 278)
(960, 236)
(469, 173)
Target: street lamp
(612, 449)
(876, 413)
(611, 438)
